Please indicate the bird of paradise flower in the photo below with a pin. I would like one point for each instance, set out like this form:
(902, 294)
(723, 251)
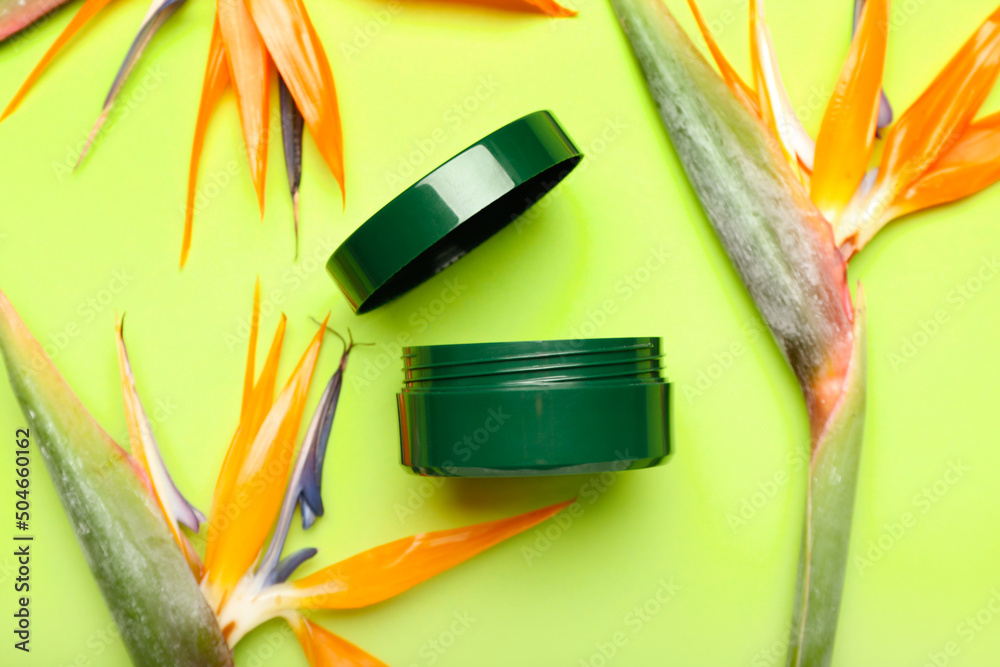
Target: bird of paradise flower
(171, 606)
(252, 43)
(790, 212)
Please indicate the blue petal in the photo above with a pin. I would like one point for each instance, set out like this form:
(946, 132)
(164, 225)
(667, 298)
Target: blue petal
(310, 497)
(288, 565)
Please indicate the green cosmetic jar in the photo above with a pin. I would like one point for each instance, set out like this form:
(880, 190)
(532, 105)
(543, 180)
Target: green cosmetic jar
(534, 408)
(453, 209)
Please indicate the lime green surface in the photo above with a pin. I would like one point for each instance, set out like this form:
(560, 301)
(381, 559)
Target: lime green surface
(708, 543)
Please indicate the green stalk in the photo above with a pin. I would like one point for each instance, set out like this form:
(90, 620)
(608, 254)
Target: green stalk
(783, 250)
(833, 474)
(146, 582)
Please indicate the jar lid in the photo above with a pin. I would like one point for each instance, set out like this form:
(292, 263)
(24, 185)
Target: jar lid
(534, 408)
(452, 210)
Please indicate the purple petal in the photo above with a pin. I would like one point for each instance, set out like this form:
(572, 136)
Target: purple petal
(304, 485)
(291, 134)
(288, 565)
(157, 14)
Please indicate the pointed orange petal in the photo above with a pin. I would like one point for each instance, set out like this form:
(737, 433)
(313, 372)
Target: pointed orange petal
(215, 82)
(248, 377)
(385, 571)
(224, 503)
(969, 166)
(932, 123)
(298, 54)
(259, 487)
(548, 7)
(552, 8)
(775, 107)
(743, 92)
(925, 131)
(262, 397)
(325, 649)
(86, 12)
(249, 67)
(847, 134)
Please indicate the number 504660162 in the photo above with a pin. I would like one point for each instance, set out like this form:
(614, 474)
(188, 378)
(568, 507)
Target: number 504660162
(22, 479)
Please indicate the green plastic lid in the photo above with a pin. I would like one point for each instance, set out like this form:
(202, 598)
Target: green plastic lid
(453, 209)
(534, 408)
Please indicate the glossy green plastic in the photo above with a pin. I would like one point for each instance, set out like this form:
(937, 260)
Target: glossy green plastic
(534, 408)
(452, 210)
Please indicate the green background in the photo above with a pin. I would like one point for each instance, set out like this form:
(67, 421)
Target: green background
(718, 525)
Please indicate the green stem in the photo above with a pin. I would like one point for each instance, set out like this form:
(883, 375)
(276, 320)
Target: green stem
(147, 585)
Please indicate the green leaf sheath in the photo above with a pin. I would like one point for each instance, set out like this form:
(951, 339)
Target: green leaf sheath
(778, 242)
(16, 15)
(146, 582)
(784, 252)
(833, 476)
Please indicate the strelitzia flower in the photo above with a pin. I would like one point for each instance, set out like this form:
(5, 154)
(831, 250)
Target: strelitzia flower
(790, 211)
(252, 43)
(172, 606)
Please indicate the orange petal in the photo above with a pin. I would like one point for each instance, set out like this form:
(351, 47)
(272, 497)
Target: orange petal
(743, 92)
(224, 503)
(925, 131)
(388, 570)
(215, 82)
(847, 134)
(969, 166)
(249, 67)
(775, 107)
(259, 486)
(548, 7)
(933, 123)
(298, 54)
(248, 377)
(552, 8)
(86, 12)
(325, 649)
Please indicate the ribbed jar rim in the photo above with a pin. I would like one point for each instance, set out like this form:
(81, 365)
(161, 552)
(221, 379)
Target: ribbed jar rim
(532, 363)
